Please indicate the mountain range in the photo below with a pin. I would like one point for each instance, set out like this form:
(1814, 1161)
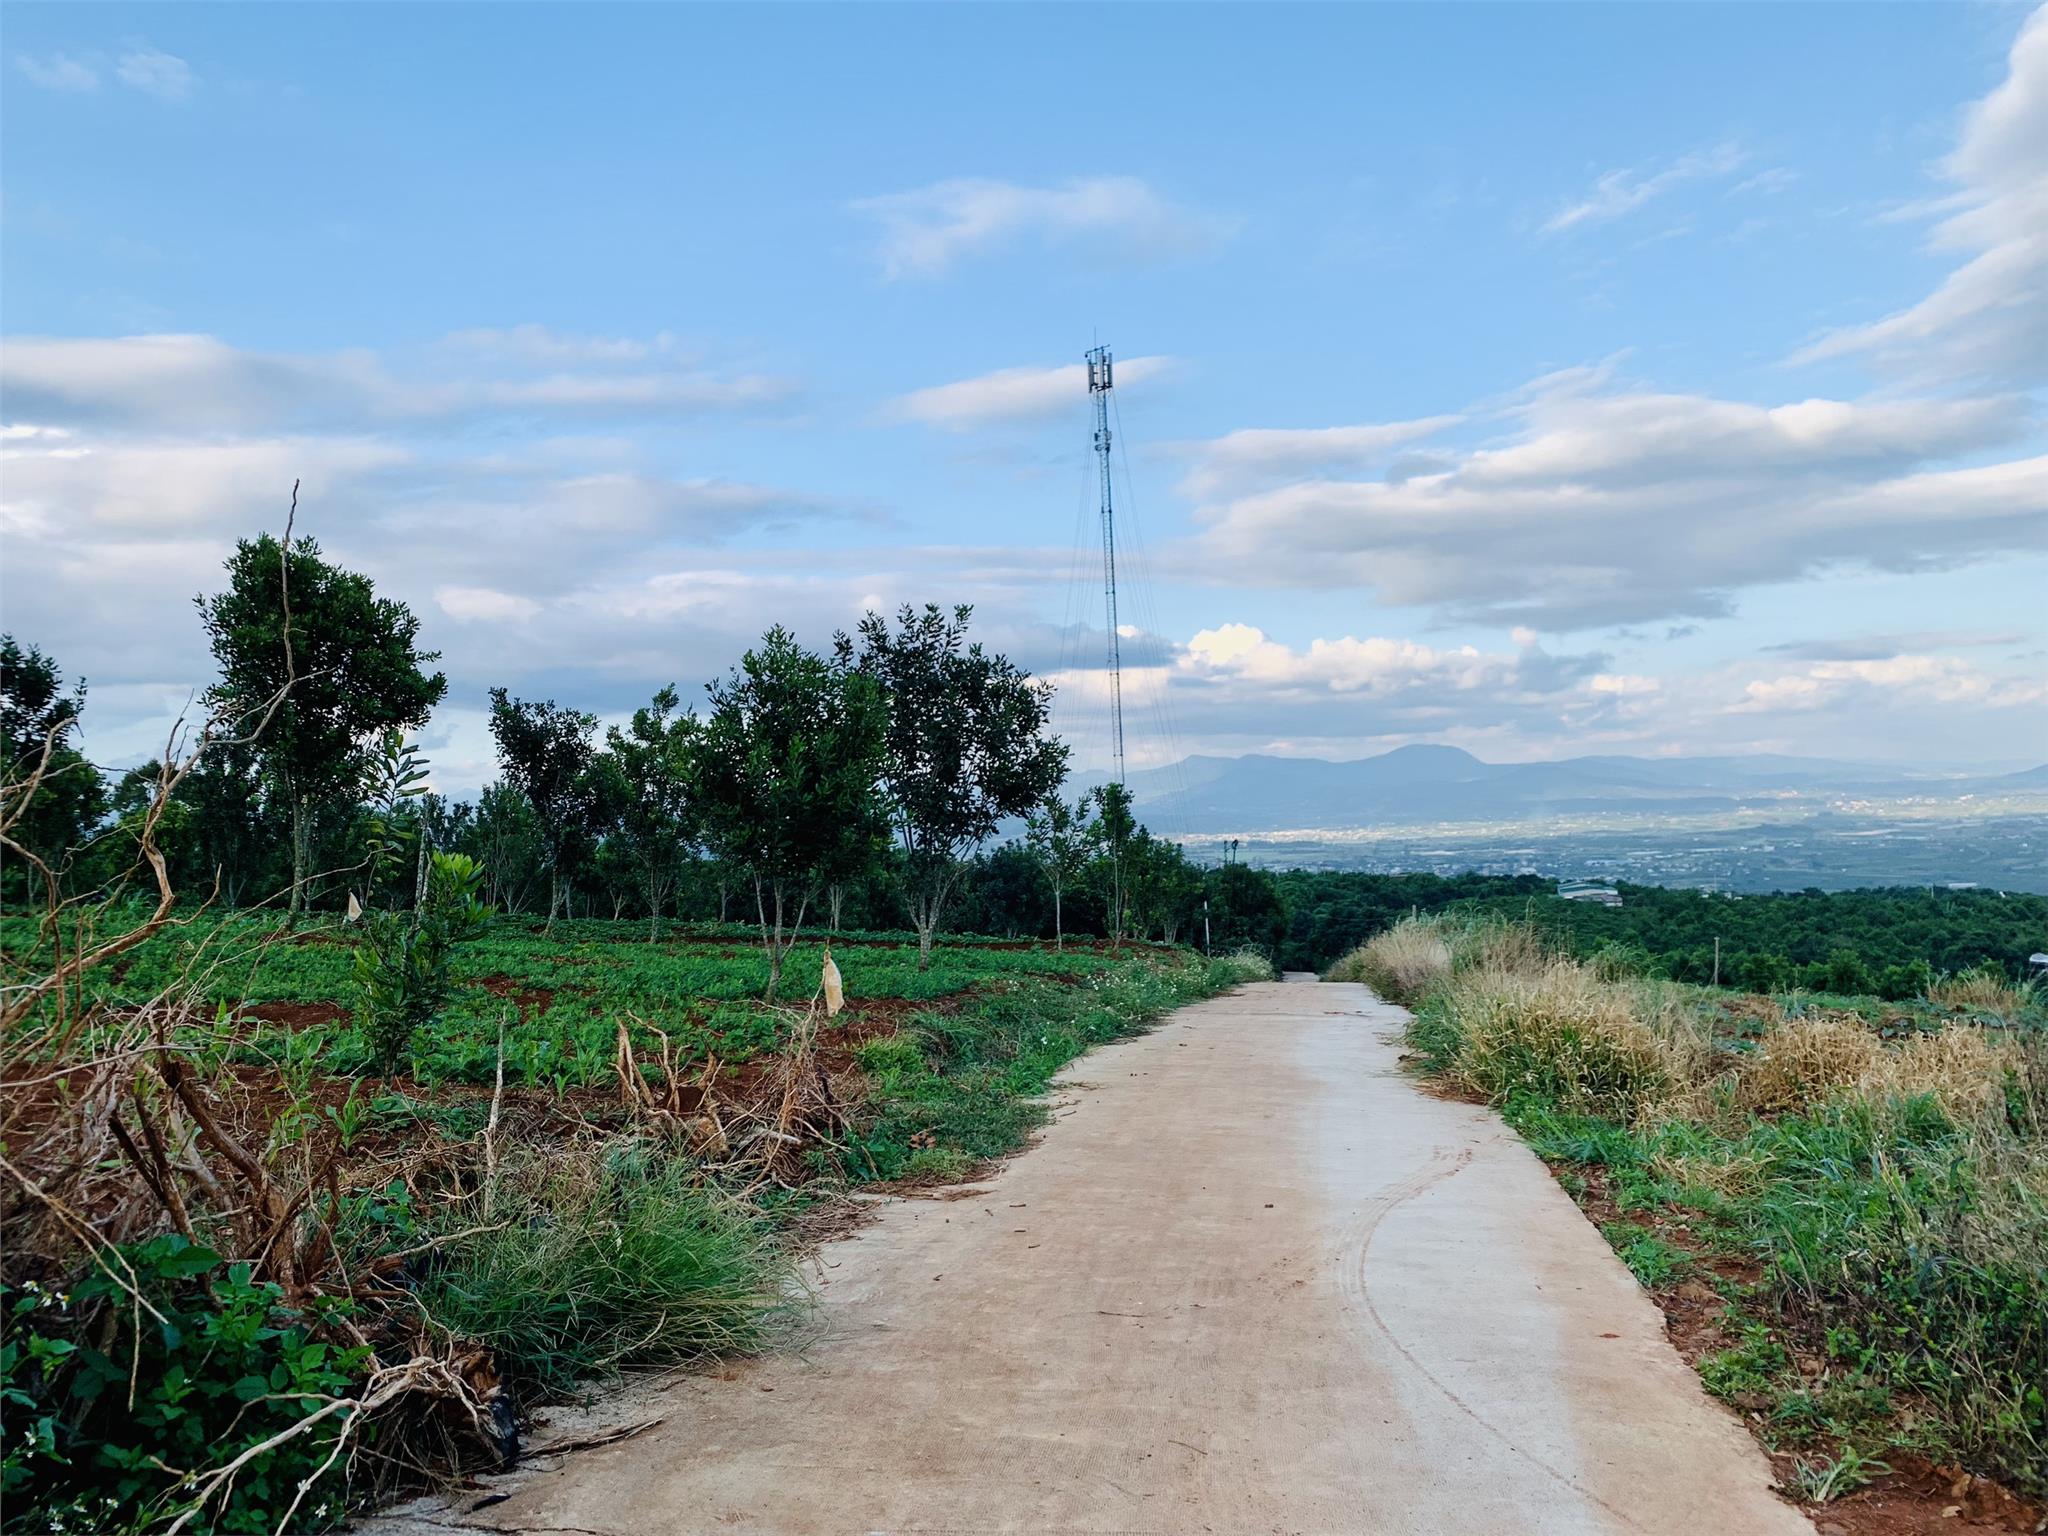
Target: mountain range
(1422, 784)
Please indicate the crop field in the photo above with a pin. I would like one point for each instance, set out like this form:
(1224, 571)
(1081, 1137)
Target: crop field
(560, 997)
(601, 1154)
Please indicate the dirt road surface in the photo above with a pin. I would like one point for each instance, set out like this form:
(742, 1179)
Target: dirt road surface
(1252, 1280)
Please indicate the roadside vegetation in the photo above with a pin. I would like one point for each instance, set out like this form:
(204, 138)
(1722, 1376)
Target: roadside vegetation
(1841, 1201)
(320, 1168)
(1889, 943)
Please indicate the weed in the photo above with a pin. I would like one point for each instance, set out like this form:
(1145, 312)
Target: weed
(1821, 1482)
(1649, 1258)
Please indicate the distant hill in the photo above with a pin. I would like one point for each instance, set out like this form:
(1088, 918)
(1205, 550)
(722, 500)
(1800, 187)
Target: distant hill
(1421, 784)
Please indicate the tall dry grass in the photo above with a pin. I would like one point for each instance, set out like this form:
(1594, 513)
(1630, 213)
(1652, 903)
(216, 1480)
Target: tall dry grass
(1981, 991)
(1400, 964)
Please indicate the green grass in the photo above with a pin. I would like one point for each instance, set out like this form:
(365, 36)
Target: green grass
(608, 1259)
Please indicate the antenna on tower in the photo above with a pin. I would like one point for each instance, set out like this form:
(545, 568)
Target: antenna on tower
(1100, 382)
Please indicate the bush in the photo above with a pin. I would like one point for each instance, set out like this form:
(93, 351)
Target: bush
(1982, 990)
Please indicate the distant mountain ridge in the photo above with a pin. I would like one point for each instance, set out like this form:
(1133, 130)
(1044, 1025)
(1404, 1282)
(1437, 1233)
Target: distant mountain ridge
(1418, 784)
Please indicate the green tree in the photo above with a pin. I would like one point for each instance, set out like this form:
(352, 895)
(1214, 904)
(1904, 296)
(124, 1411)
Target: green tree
(784, 767)
(505, 839)
(548, 754)
(52, 796)
(352, 661)
(1245, 910)
(1061, 836)
(655, 832)
(1116, 829)
(1163, 886)
(966, 745)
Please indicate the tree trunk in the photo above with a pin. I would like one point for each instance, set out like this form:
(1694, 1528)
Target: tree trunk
(771, 936)
(302, 855)
(925, 910)
(835, 899)
(1059, 932)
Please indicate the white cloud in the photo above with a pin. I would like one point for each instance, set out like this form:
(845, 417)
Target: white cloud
(1888, 683)
(202, 383)
(1605, 508)
(1375, 666)
(1622, 192)
(141, 67)
(1622, 684)
(925, 231)
(155, 73)
(59, 72)
(1253, 455)
(1988, 321)
(1014, 394)
(472, 604)
(84, 487)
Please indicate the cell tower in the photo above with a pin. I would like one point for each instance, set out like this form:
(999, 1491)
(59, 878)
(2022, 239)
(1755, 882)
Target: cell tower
(1100, 382)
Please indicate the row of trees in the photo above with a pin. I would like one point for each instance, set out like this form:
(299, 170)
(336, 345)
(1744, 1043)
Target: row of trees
(875, 773)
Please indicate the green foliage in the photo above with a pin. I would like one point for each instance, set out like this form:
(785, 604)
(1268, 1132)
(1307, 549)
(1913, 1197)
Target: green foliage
(402, 968)
(784, 768)
(1245, 910)
(226, 1367)
(964, 742)
(1891, 942)
(549, 756)
(36, 713)
(651, 762)
(1649, 1258)
(351, 659)
(1059, 836)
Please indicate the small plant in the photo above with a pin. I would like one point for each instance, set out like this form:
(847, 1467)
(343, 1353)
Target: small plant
(402, 967)
(1649, 1258)
(1823, 1481)
(402, 970)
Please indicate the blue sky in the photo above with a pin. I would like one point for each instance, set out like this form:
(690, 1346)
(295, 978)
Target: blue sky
(1538, 379)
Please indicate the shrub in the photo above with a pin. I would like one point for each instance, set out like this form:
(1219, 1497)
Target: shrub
(1803, 1063)
(221, 1367)
(1897, 1194)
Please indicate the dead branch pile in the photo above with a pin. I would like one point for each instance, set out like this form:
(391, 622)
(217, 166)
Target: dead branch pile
(759, 1125)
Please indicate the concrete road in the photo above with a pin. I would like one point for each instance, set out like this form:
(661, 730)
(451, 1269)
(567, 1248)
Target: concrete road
(1252, 1280)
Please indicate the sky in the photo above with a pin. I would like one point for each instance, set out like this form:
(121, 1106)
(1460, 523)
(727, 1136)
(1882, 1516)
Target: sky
(1540, 380)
